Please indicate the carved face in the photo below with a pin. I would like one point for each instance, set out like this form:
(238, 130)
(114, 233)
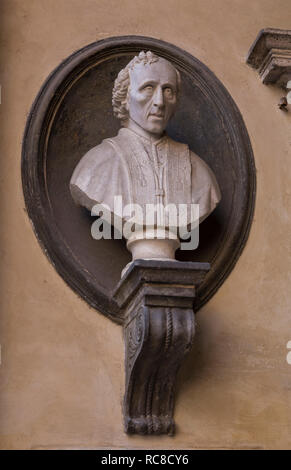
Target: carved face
(152, 95)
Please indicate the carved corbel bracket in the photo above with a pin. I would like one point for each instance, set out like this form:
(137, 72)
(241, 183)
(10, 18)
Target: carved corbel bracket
(157, 302)
(271, 55)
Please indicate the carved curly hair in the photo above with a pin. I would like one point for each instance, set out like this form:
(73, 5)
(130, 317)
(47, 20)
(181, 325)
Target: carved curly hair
(122, 82)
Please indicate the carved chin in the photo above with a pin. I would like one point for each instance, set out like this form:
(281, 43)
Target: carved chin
(156, 128)
(156, 125)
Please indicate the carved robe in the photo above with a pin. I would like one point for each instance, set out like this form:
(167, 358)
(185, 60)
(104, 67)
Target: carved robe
(143, 171)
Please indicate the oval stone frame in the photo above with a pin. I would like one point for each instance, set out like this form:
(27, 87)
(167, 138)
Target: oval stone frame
(72, 113)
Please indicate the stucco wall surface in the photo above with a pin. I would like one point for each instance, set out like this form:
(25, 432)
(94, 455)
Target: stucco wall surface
(62, 376)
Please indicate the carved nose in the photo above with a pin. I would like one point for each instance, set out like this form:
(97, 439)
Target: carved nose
(159, 97)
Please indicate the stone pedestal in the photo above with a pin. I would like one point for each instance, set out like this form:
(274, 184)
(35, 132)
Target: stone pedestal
(156, 298)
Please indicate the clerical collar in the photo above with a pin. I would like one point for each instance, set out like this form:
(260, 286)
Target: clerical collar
(138, 132)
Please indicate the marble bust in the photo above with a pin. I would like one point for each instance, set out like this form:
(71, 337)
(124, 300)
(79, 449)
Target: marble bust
(142, 163)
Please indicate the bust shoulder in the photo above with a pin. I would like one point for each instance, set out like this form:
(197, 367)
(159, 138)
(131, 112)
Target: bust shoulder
(92, 158)
(96, 174)
(200, 166)
(205, 189)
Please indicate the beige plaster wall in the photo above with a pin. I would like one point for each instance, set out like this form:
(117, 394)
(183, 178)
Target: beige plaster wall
(62, 363)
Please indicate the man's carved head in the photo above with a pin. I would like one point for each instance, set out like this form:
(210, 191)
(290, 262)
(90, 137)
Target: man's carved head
(146, 92)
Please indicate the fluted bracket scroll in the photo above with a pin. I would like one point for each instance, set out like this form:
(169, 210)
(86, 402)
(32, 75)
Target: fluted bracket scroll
(157, 301)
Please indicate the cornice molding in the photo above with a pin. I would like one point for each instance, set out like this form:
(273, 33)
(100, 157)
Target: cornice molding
(270, 54)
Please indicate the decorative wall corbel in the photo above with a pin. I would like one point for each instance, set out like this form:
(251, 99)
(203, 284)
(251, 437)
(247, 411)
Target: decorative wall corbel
(157, 302)
(270, 54)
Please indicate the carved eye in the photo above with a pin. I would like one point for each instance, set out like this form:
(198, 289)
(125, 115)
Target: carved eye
(168, 92)
(148, 88)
